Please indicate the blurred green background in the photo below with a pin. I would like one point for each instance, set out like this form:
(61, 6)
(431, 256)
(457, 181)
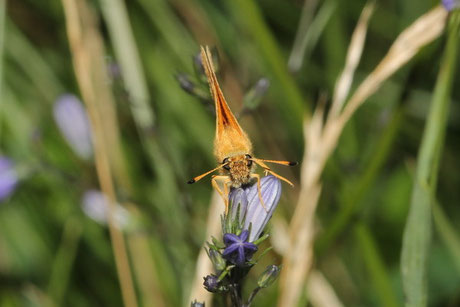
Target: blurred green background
(52, 253)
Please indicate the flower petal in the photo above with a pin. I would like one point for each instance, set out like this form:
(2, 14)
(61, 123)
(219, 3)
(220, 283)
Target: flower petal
(256, 214)
(250, 247)
(241, 257)
(237, 199)
(244, 236)
(230, 238)
(230, 250)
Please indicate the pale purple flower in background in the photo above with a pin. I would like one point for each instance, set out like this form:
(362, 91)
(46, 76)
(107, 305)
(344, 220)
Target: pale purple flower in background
(8, 178)
(251, 210)
(451, 4)
(72, 120)
(96, 206)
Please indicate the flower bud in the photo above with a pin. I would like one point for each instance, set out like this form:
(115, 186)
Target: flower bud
(197, 304)
(268, 276)
(198, 64)
(211, 283)
(256, 93)
(185, 83)
(217, 260)
(256, 215)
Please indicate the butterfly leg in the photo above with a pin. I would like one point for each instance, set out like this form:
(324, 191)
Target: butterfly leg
(269, 171)
(224, 194)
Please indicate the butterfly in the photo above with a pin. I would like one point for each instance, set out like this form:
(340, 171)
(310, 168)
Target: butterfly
(232, 147)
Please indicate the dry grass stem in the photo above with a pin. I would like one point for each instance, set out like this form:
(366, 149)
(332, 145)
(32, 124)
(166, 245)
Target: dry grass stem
(279, 233)
(86, 47)
(321, 137)
(343, 85)
(320, 291)
(144, 265)
(203, 264)
(423, 31)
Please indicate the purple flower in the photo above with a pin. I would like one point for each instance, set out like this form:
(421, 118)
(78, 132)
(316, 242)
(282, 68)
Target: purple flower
(72, 120)
(251, 210)
(451, 4)
(237, 248)
(8, 177)
(96, 206)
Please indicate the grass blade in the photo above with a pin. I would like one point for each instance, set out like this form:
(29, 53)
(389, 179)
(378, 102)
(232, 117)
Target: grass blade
(127, 54)
(375, 266)
(87, 49)
(447, 233)
(417, 233)
(291, 105)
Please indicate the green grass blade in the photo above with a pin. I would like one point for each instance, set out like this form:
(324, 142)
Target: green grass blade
(128, 56)
(375, 266)
(447, 233)
(417, 233)
(64, 260)
(2, 44)
(353, 200)
(291, 105)
(32, 62)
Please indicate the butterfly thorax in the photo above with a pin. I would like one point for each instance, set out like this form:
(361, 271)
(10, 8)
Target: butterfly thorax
(231, 142)
(239, 169)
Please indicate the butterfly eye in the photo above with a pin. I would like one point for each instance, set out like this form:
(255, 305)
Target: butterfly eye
(227, 167)
(249, 161)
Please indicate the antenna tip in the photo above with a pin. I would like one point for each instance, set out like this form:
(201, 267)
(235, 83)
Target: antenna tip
(293, 163)
(191, 181)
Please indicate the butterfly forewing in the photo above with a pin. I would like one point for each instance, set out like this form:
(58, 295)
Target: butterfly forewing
(230, 139)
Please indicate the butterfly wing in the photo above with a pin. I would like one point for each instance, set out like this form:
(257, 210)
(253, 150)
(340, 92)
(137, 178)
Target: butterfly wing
(230, 138)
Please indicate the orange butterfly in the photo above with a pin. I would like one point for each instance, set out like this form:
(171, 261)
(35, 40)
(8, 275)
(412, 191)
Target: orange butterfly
(232, 147)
